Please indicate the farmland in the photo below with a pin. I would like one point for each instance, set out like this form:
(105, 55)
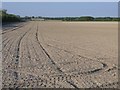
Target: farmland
(58, 54)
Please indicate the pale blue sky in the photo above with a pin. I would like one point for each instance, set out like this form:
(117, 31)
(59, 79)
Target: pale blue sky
(96, 9)
(60, 0)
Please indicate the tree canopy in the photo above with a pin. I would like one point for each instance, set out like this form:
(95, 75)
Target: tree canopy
(9, 17)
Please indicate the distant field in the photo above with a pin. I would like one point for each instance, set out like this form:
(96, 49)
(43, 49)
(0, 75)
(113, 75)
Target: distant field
(61, 55)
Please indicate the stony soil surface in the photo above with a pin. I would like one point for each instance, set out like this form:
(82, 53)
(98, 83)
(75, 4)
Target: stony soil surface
(60, 55)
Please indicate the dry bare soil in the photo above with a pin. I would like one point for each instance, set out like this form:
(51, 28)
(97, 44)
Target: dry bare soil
(60, 55)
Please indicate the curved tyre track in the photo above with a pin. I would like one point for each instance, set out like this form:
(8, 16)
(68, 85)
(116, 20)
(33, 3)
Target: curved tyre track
(31, 60)
(13, 47)
(52, 61)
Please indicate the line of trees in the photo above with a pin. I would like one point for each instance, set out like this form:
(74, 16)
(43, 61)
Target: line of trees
(9, 17)
(15, 18)
(83, 18)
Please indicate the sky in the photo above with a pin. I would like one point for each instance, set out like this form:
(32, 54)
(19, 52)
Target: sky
(60, 0)
(61, 9)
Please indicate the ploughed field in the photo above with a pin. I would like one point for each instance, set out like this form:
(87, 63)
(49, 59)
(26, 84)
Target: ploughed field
(42, 54)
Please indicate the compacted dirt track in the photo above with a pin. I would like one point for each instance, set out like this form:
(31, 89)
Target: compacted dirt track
(45, 54)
